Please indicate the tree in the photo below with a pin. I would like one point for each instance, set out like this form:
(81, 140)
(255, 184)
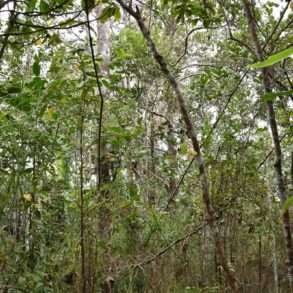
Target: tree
(134, 151)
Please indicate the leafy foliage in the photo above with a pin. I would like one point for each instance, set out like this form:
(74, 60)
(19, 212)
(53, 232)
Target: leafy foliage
(271, 60)
(141, 224)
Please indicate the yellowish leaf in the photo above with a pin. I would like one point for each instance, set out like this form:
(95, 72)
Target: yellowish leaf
(50, 113)
(28, 196)
(191, 152)
(39, 43)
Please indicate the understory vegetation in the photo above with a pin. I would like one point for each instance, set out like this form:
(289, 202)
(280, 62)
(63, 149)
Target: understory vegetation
(146, 146)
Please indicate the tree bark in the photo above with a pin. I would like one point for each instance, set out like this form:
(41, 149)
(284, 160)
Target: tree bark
(266, 72)
(81, 195)
(11, 21)
(103, 165)
(171, 141)
(211, 215)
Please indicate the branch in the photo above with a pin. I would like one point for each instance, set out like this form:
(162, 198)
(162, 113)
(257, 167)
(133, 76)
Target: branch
(194, 231)
(186, 41)
(171, 245)
(192, 134)
(231, 36)
(98, 82)
(11, 23)
(8, 287)
(230, 96)
(44, 28)
(35, 13)
(175, 191)
(57, 26)
(277, 25)
(269, 154)
(3, 3)
(54, 27)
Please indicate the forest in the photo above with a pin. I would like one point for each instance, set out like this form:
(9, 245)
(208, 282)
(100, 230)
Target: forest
(146, 146)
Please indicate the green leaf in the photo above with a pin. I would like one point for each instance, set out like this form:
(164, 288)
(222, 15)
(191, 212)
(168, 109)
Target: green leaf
(117, 14)
(44, 6)
(90, 4)
(37, 83)
(14, 89)
(31, 5)
(55, 39)
(271, 96)
(271, 60)
(107, 13)
(36, 68)
(288, 203)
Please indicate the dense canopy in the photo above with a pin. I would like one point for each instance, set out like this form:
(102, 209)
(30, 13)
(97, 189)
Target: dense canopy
(146, 146)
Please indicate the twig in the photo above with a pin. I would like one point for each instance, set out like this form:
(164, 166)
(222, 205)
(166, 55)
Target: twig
(186, 41)
(44, 28)
(171, 245)
(269, 154)
(194, 231)
(7, 287)
(230, 96)
(277, 25)
(231, 36)
(174, 193)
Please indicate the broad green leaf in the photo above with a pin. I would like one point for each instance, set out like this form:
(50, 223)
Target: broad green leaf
(288, 203)
(55, 39)
(117, 14)
(107, 13)
(271, 96)
(67, 22)
(44, 6)
(37, 83)
(36, 68)
(271, 60)
(14, 89)
(31, 5)
(183, 149)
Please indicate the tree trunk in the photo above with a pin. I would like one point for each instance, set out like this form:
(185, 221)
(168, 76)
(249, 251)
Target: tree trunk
(103, 165)
(275, 135)
(171, 141)
(211, 215)
(274, 247)
(10, 25)
(83, 288)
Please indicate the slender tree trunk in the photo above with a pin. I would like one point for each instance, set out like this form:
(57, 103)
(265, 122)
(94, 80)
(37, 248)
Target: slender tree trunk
(202, 245)
(81, 194)
(291, 172)
(274, 247)
(103, 165)
(32, 228)
(18, 224)
(275, 135)
(275, 264)
(103, 47)
(11, 21)
(211, 215)
(151, 168)
(171, 140)
(260, 263)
